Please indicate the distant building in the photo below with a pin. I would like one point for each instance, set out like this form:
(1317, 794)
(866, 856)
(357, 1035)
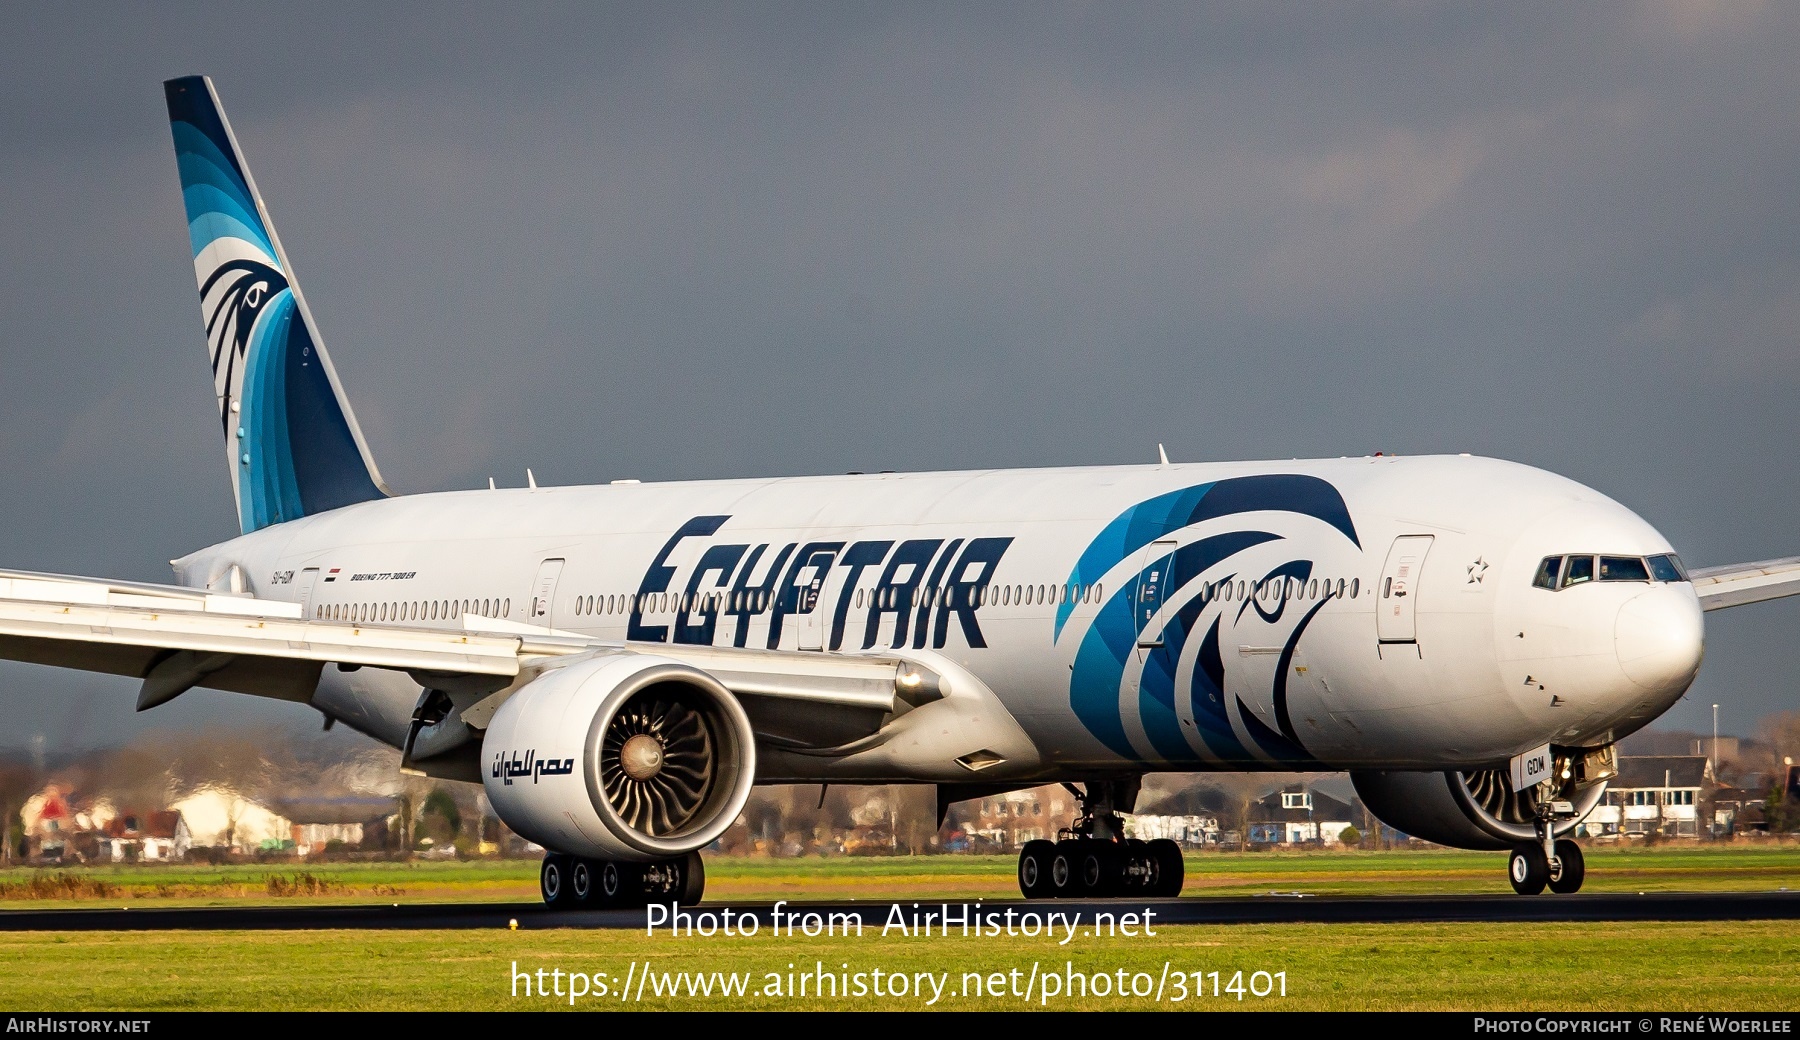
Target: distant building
(223, 819)
(1737, 810)
(55, 824)
(314, 823)
(1192, 830)
(1009, 820)
(1298, 815)
(61, 826)
(157, 837)
(1653, 793)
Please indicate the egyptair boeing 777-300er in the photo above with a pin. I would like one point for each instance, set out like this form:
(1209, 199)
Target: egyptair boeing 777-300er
(617, 665)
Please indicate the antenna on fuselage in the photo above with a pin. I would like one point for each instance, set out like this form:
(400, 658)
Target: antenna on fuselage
(491, 484)
(1161, 454)
(530, 480)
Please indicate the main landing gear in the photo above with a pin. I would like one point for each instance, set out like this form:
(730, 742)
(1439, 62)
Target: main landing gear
(1555, 863)
(1094, 858)
(575, 883)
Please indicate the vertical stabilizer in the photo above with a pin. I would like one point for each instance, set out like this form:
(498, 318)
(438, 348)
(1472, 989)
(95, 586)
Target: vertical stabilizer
(294, 444)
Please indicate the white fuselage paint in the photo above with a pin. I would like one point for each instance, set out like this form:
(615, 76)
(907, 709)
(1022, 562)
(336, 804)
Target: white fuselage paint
(1496, 666)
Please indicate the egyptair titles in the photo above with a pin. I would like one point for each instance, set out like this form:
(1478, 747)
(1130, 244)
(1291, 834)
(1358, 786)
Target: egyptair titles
(923, 591)
(508, 766)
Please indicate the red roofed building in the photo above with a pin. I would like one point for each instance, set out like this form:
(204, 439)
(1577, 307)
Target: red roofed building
(157, 837)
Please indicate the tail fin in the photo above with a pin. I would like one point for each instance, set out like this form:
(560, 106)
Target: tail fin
(294, 444)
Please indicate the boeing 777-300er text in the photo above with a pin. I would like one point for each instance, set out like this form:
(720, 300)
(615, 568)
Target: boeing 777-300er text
(618, 665)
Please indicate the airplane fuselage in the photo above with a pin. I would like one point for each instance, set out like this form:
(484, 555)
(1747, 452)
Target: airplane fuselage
(1326, 614)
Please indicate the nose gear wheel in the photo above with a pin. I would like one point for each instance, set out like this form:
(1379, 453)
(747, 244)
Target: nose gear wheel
(657, 791)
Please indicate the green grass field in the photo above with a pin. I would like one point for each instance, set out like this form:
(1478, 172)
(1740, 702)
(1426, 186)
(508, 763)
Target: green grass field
(1663, 868)
(1658, 966)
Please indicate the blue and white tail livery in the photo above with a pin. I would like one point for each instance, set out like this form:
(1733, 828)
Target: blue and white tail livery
(617, 665)
(294, 444)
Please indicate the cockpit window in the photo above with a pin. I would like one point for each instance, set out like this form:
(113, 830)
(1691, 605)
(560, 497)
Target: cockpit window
(1563, 571)
(1667, 567)
(1623, 568)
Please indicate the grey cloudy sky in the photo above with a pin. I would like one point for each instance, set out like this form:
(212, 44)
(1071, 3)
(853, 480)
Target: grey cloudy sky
(687, 241)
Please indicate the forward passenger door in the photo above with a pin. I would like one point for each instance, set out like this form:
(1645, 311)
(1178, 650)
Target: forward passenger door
(1397, 597)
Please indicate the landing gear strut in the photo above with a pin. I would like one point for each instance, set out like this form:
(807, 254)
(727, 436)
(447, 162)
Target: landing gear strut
(575, 883)
(1093, 858)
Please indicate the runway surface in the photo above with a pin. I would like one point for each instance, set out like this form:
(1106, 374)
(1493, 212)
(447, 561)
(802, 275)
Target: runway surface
(1274, 908)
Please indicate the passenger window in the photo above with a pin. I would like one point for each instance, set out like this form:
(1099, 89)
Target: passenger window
(1667, 568)
(1548, 572)
(1355, 587)
(1623, 568)
(1580, 569)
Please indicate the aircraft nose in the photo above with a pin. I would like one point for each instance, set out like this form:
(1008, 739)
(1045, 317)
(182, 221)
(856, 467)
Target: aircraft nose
(1659, 637)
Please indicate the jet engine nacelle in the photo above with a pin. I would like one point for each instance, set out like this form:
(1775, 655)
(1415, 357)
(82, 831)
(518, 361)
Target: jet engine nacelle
(1474, 810)
(622, 756)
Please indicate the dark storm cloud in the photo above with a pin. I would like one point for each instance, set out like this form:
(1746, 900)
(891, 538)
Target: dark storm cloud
(730, 240)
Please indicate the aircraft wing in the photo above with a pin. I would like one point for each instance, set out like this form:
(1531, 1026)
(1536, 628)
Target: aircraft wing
(1740, 583)
(174, 639)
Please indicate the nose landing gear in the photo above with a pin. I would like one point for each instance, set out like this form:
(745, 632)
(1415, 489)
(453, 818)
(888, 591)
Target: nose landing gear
(575, 883)
(1550, 862)
(1093, 858)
